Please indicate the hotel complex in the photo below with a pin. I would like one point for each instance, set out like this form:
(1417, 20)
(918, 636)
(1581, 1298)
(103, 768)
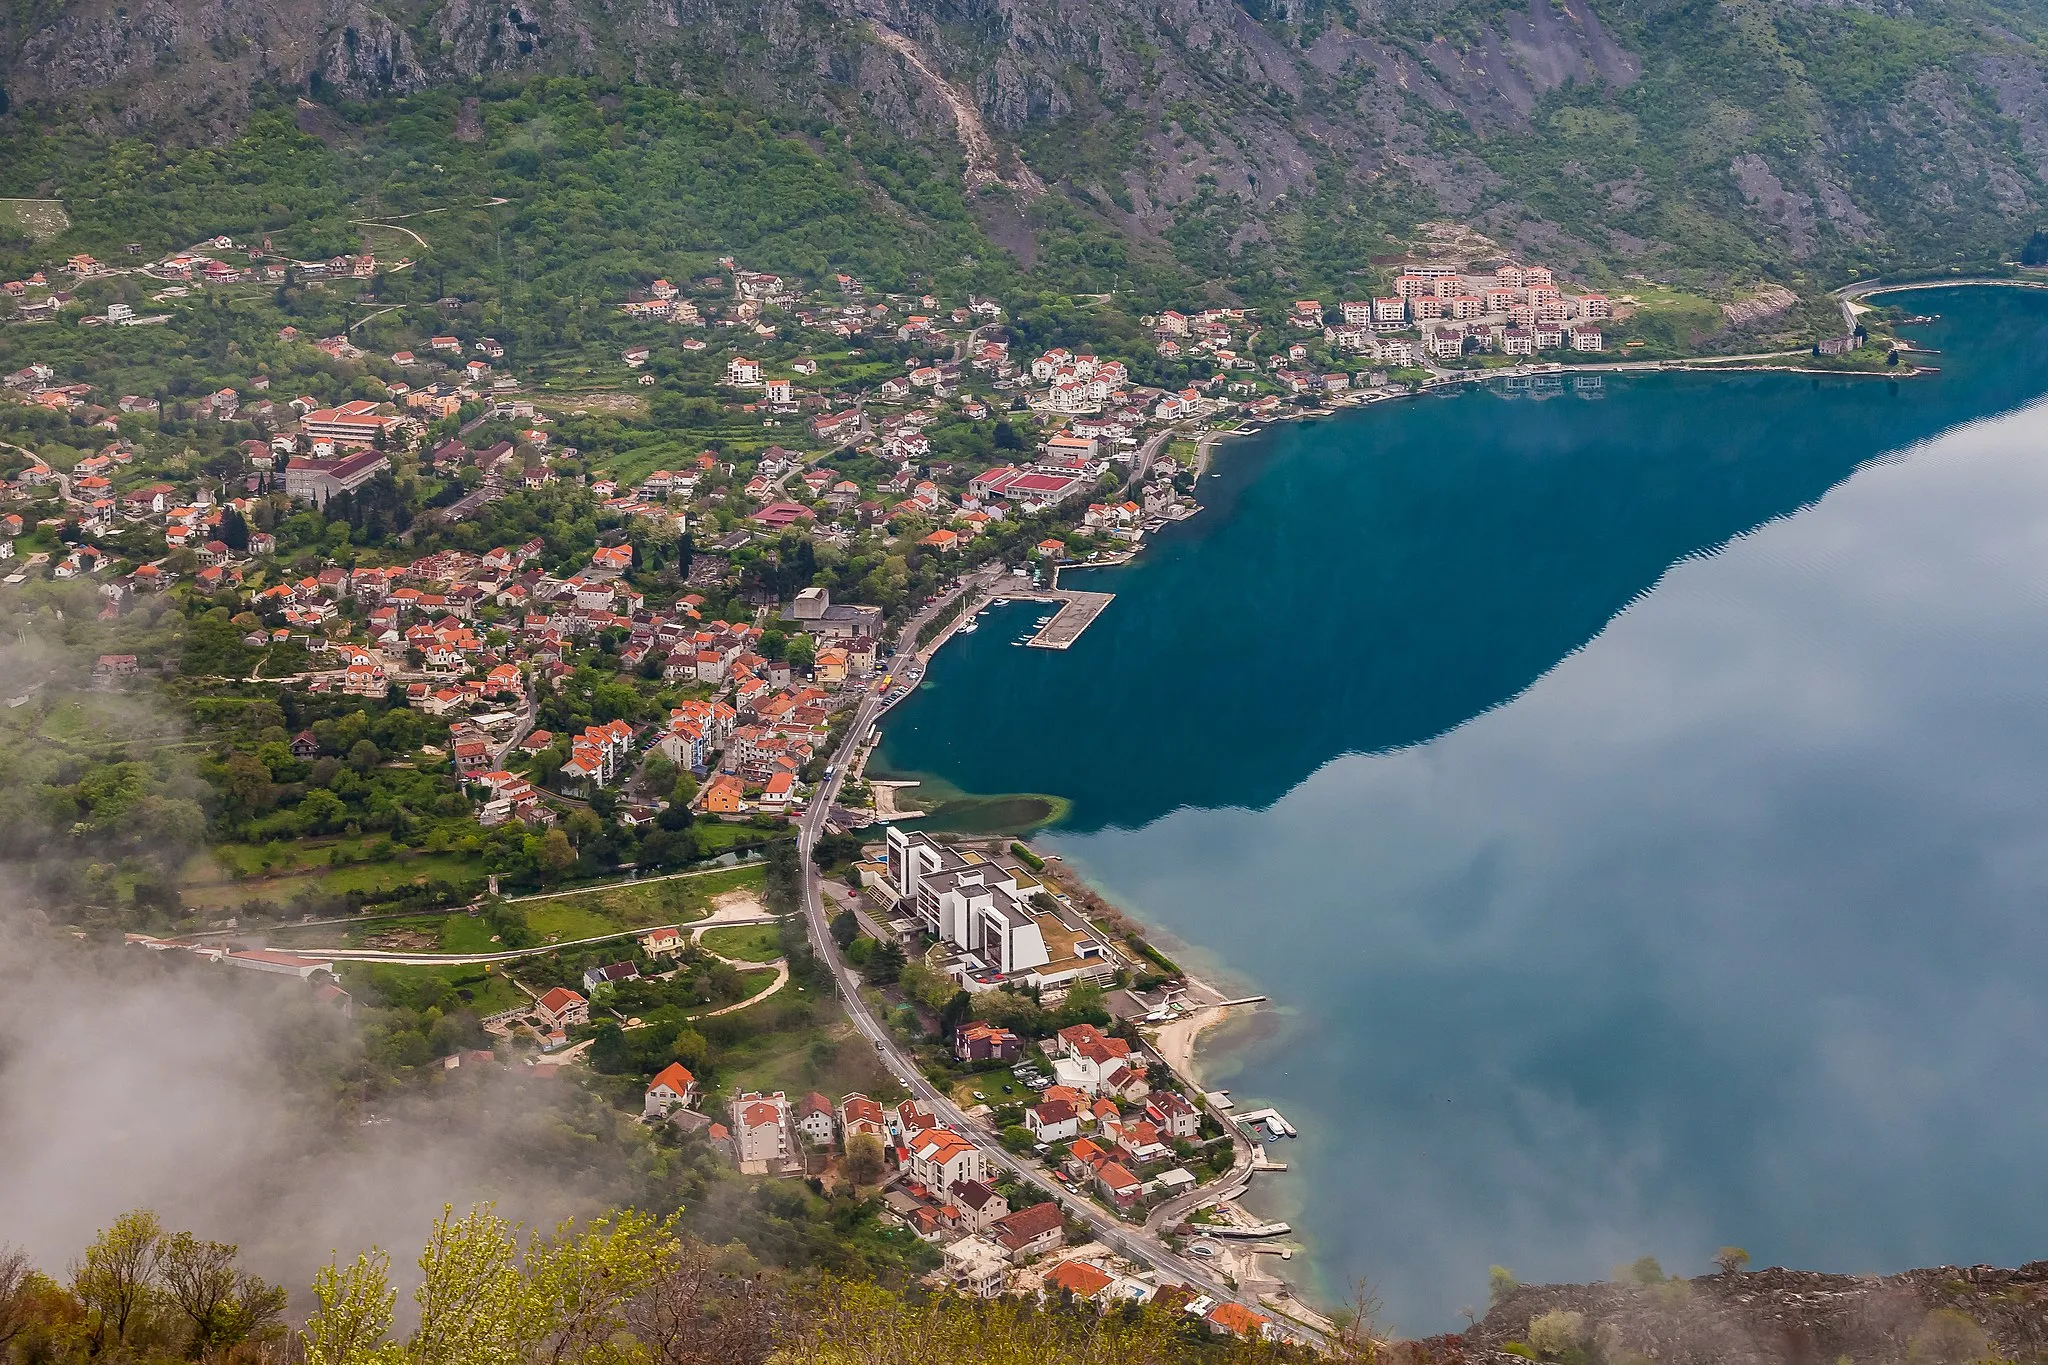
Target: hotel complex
(1002, 922)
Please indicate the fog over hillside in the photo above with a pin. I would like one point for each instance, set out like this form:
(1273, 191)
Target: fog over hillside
(220, 1100)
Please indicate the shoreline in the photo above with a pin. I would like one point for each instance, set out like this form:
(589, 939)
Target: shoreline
(1177, 1043)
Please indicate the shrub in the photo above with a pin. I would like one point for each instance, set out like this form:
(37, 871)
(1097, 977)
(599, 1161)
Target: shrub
(1553, 1334)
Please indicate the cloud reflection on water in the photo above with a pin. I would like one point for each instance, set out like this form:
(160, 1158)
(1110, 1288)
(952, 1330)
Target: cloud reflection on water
(1727, 930)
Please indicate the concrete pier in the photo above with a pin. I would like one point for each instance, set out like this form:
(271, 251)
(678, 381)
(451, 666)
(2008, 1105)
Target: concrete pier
(1077, 612)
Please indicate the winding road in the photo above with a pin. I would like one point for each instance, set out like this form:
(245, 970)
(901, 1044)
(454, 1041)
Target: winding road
(1127, 1241)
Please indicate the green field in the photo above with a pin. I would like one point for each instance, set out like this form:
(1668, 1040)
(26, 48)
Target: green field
(745, 942)
(564, 918)
(483, 990)
(211, 878)
(1001, 1087)
(790, 1048)
(565, 921)
(37, 219)
(673, 900)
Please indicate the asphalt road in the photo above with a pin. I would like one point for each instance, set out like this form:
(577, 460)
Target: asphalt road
(1111, 1232)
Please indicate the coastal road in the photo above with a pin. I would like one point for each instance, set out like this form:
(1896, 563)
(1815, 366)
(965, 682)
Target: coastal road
(1119, 1236)
(1147, 453)
(1850, 293)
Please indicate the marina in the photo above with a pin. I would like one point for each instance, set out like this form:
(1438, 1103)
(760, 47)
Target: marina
(1074, 611)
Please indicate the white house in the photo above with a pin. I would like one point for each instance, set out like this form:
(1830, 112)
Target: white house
(1053, 1121)
(761, 1129)
(673, 1086)
(814, 1119)
(940, 1158)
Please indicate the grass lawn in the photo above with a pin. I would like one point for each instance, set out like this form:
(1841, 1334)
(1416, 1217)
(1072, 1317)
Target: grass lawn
(675, 900)
(467, 934)
(745, 942)
(716, 836)
(446, 933)
(485, 992)
(381, 876)
(561, 921)
(1001, 1087)
(797, 1046)
(228, 874)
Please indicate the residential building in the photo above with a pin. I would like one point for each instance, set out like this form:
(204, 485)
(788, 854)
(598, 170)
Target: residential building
(673, 1086)
(1234, 1319)
(980, 1042)
(814, 1119)
(980, 1206)
(761, 1129)
(977, 1266)
(1052, 1121)
(1029, 1231)
(563, 1008)
(1078, 1280)
(941, 1158)
(859, 1114)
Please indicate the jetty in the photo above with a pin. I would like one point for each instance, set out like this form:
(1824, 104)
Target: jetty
(1077, 611)
(1269, 1119)
(1252, 1230)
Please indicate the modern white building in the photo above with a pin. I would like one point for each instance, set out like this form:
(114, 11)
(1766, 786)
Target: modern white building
(1004, 927)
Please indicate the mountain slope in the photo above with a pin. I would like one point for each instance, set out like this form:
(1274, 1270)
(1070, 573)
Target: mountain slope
(1703, 141)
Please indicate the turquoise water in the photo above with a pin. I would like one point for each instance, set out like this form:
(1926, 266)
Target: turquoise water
(1636, 799)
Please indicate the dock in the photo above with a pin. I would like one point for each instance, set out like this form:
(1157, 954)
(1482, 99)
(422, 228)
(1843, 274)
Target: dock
(1254, 1230)
(1077, 612)
(1269, 1119)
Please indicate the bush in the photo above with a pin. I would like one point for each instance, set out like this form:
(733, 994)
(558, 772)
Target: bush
(1553, 1334)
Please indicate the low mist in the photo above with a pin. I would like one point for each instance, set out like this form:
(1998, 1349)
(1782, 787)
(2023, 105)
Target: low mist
(231, 1104)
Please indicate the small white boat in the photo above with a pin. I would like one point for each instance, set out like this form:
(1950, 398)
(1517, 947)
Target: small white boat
(970, 627)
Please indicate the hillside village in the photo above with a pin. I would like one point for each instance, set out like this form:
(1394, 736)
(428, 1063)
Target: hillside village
(678, 590)
(485, 657)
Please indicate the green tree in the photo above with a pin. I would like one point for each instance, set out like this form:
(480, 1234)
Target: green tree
(116, 1282)
(557, 855)
(352, 1315)
(864, 1166)
(234, 531)
(1731, 1260)
(225, 1306)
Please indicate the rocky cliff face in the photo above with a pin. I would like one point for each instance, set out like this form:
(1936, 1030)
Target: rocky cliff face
(1942, 1316)
(1671, 134)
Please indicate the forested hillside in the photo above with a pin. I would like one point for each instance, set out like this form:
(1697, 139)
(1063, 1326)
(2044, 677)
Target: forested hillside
(1700, 142)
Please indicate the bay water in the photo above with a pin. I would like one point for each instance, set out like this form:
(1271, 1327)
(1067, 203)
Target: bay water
(1632, 792)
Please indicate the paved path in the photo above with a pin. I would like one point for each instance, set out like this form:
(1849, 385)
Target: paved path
(630, 881)
(781, 966)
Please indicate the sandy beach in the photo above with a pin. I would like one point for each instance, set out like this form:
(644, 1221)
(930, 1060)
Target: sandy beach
(1176, 1042)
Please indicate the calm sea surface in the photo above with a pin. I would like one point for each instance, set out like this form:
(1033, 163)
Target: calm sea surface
(1635, 799)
